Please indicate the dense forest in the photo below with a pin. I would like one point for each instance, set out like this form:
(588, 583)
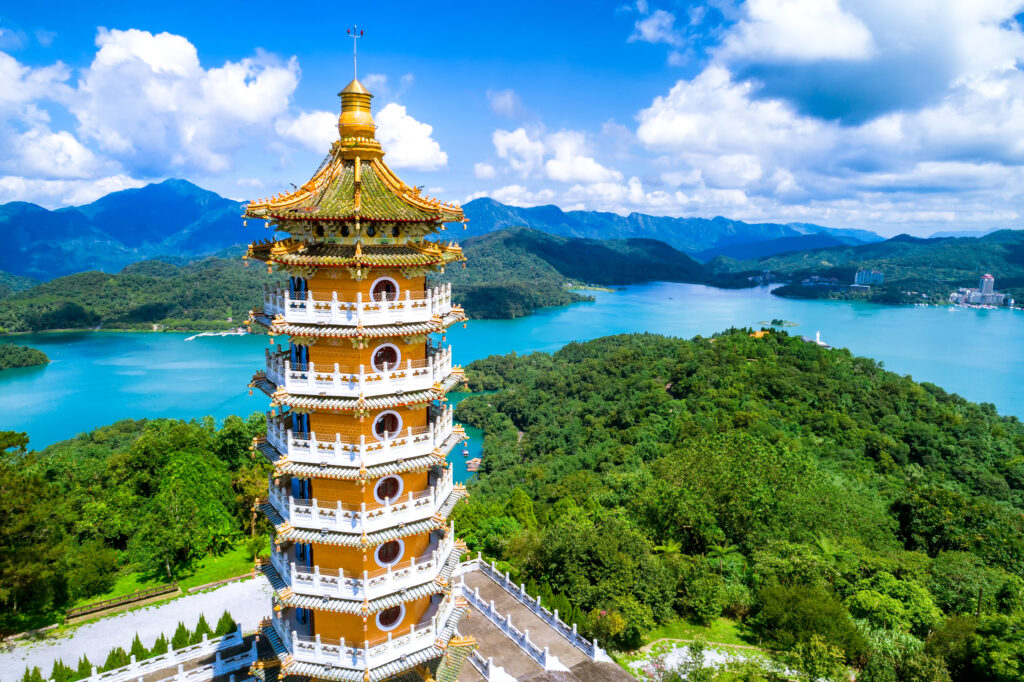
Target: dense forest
(213, 293)
(12, 356)
(934, 267)
(810, 494)
(512, 272)
(149, 496)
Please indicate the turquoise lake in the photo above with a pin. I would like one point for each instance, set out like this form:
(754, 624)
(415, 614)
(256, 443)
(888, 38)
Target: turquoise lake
(96, 378)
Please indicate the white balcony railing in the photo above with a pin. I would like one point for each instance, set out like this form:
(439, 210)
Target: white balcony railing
(318, 582)
(364, 518)
(331, 449)
(314, 308)
(331, 380)
(364, 655)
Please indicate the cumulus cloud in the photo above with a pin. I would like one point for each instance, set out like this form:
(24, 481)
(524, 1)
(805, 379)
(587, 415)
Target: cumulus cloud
(571, 162)
(57, 193)
(316, 130)
(146, 102)
(515, 195)
(408, 142)
(523, 153)
(484, 171)
(799, 30)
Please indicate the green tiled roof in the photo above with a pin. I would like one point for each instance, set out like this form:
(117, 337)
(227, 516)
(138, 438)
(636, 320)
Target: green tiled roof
(334, 194)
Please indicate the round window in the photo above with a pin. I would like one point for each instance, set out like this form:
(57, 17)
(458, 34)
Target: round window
(387, 425)
(384, 289)
(389, 553)
(388, 488)
(386, 358)
(389, 619)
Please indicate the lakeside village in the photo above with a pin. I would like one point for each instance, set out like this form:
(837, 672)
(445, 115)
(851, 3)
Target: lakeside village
(982, 296)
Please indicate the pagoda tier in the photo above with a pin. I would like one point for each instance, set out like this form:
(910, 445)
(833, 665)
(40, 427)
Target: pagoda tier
(361, 491)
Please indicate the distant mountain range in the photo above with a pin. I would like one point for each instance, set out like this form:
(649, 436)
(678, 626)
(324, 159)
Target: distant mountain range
(702, 238)
(173, 218)
(177, 221)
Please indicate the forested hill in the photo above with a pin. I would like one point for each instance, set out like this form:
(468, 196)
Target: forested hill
(173, 218)
(692, 235)
(209, 294)
(511, 272)
(815, 497)
(934, 266)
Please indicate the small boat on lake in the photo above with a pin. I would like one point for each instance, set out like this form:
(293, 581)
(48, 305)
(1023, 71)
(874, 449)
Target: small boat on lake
(473, 464)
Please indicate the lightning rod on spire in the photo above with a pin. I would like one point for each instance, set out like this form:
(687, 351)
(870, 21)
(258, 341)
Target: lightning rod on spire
(355, 34)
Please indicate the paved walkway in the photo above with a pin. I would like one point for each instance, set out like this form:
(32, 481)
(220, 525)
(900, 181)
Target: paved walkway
(495, 644)
(248, 601)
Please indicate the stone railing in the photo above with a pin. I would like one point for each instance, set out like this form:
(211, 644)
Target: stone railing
(312, 580)
(545, 658)
(365, 655)
(405, 307)
(332, 380)
(332, 449)
(487, 668)
(176, 658)
(364, 518)
(569, 632)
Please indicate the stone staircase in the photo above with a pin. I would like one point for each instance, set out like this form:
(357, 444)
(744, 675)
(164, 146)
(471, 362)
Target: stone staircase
(459, 649)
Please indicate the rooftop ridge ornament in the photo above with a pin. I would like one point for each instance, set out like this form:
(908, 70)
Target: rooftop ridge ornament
(355, 34)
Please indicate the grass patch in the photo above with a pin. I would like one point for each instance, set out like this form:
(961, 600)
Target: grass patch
(721, 631)
(234, 562)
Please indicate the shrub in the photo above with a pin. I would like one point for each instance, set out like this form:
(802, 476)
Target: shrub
(181, 637)
(117, 658)
(202, 628)
(160, 646)
(225, 625)
(138, 650)
(785, 616)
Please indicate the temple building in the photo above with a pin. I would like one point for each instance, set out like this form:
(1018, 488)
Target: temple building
(359, 498)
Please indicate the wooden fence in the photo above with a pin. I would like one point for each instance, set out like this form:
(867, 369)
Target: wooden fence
(98, 606)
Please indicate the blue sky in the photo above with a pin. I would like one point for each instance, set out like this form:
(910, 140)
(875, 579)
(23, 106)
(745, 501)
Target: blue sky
(896, 117)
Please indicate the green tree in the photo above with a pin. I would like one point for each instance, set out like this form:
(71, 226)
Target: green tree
(520, 507)
(721, 553)
(117, 658)
(785, 616)
(62, 672)
(84, 668)
(181, 637)
(225, 625)
(202, 628)
(160, 646)
(138, 649)
(819, 660)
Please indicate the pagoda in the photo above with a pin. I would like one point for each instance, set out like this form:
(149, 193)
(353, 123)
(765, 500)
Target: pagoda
(361, 491)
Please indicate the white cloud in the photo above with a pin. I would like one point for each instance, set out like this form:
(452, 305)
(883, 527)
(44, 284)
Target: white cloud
(484, 171)
(408, 141)
(571, 162)
(316, 130)
(20, 84)
(523, 153)
(56, 193)
(44, 154)
(517, 195)
(658, 27)
(146, 102)
(800, 30)
(505, 103)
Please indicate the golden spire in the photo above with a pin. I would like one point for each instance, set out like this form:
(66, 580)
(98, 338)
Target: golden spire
(356, 119)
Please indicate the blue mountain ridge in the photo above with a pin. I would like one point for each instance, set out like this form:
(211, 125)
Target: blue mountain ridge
(176, 219)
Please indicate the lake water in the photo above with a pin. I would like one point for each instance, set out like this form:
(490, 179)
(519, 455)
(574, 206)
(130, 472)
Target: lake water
(96, 378)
